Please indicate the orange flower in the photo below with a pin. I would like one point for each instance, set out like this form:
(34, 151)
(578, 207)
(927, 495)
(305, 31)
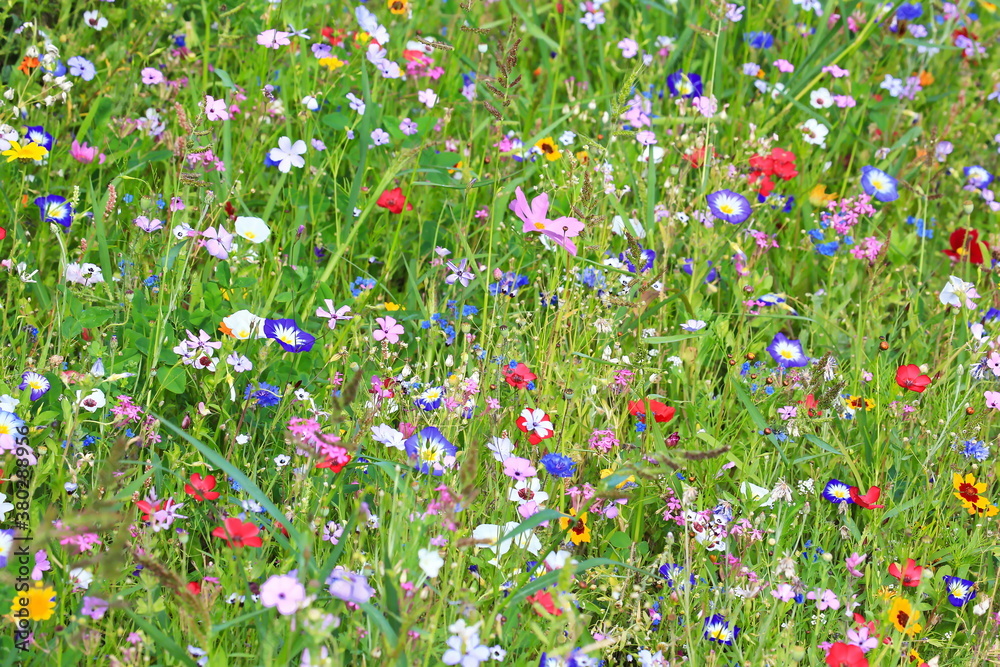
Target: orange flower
(926, 79)
(29, 63)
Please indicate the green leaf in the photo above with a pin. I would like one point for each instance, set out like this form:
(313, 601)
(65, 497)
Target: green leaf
(757, 418)
(227, 81)
(172, 379)
(97, 116)
(620, 540)
(659, 340)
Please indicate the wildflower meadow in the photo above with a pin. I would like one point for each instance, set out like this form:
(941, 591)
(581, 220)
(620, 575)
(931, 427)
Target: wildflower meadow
(475, 332)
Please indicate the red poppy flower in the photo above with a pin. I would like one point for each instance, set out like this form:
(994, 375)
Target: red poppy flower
(662, 413)
(910, 576)
(909, 377)
(201, 487)
(965, 244)
(519, 377)
(868, 500)
(846, 655)
(280, 526)
(779, 163)
(3, 233)
(696, 156)
(194, 587)
(238, 534)
(544, 599)
(394, 201)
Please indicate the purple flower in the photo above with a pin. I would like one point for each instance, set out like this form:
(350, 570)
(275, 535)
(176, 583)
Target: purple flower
(408, 127)
(284, 592)
(787, 353)
(429, 448)
(54, 208)
(729, 206)
(39, 384)
(289, 335)
(837, 492)
(95, 608)
(684, 85)
(349, 587)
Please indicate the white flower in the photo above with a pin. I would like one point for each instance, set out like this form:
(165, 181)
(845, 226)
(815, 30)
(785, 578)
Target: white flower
(242, 439)
(657, 153)
(821, 98)
(94, 19)
(502, 448)
(526, 490)
(693, 325)
(430, 562)
(388, 436)
(618, 227)
(243, 325)
(80, 578)
(282, 460)
(427, 97)
(8, 404)
(252, 229)
(93, 401)
(489, 537)
(956, 292)
(4, 506)
(814, 132)
(288, 154)
(310, 103)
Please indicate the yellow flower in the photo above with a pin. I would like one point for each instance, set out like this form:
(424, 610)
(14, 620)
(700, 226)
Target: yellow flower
(859, 403)
(986, 511)
(608, 472)
(904, 617)
(818, 196)
(968, 491)
(35, 604)
(331, 63)
(578, 530)
(886, 593)
(548, 148)
(30, 151)
(398, 6)
(390, 306)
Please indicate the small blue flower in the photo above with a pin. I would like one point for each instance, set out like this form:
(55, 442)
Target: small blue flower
(558, 465)
(759, 40)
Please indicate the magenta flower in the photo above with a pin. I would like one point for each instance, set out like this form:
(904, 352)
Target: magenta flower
(518, 468)
(84, 153)
(389, 330)
(334, 314)
(784, 592)
(534, 217)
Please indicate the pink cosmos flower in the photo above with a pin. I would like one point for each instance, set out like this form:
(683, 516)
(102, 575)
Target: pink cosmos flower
(784, 66)
(706, 106)
(534, 217)
(835, 71)
(334, 314)
(389, 330)
(216, 109)
(284, 592)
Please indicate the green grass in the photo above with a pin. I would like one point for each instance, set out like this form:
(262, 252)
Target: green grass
(594, 349)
